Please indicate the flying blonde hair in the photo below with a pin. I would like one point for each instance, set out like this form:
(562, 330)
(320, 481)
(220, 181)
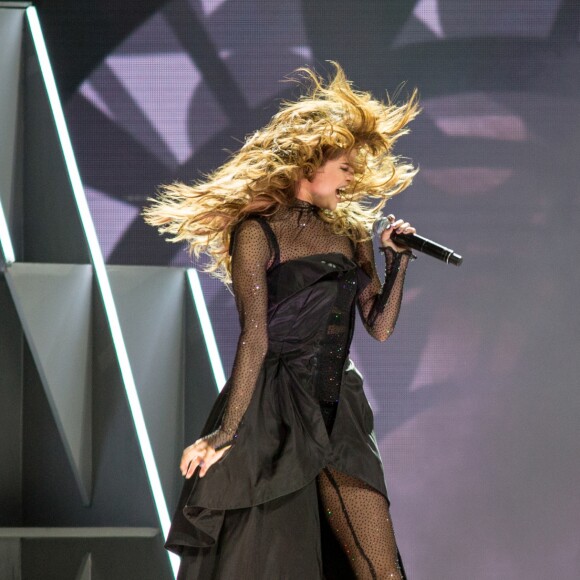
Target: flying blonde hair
(332, 118)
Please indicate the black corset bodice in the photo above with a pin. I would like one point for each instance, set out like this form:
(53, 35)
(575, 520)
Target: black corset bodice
(311, 311)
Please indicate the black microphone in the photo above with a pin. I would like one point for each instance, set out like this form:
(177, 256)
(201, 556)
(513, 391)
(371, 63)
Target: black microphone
(419, 243)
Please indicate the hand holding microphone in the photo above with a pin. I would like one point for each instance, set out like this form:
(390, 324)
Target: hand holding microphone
(388, 228)
(399, 235)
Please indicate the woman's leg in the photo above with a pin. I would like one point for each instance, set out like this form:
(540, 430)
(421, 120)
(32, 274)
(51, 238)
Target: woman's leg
(359, 517)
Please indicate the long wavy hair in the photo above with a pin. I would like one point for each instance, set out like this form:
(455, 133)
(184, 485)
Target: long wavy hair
(331, 118)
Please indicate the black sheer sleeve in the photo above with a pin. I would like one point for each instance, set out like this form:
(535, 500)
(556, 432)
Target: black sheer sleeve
(250, 257)
(379, 304)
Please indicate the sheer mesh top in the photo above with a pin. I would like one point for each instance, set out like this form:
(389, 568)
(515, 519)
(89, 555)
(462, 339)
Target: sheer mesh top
(299, 232)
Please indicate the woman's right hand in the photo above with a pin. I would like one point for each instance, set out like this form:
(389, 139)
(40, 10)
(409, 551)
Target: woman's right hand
(200, 453)
(399, 227)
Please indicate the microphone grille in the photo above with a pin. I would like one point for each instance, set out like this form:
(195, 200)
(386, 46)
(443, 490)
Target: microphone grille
(380, 226)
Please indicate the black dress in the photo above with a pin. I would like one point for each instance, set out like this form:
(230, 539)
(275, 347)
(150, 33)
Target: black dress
(293, 406)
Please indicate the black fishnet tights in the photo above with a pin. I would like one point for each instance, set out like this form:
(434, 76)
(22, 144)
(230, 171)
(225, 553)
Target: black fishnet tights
(359, 517)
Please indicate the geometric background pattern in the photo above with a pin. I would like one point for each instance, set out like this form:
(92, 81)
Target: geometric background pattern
(74, 335)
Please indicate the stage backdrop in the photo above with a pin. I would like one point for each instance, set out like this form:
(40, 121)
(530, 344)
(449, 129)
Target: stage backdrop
(476, 394)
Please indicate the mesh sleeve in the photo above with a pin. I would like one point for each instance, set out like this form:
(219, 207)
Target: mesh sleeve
(379, 304)
(250, 257)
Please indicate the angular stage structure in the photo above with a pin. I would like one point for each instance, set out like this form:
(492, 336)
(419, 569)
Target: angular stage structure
(94, 375)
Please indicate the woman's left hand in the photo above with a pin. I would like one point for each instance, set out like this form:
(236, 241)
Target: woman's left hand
(400, 227)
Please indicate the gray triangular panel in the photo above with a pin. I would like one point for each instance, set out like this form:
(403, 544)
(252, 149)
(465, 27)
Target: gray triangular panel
(11, 23)
(85, 571)
(52, 227)
(150, 303)
(54, 303)
(413, 32)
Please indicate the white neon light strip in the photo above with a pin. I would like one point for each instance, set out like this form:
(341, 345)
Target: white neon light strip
(103, 280)
(207, 329)
(5, 241)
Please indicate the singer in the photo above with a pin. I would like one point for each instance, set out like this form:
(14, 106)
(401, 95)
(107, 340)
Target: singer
(286, 480)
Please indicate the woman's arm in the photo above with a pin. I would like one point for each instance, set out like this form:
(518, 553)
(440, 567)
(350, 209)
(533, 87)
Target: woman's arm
(250, 258)
(379, 304)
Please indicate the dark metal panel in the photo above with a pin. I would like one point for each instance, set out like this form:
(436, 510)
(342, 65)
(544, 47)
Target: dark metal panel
(10, 410)
(52, 226)
(111, 559)
(10, 559)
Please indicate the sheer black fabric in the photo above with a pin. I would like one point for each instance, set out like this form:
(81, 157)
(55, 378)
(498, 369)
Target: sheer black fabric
(294, 412)
(359, 518)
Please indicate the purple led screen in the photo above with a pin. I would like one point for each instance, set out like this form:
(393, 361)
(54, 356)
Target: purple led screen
(476, 396)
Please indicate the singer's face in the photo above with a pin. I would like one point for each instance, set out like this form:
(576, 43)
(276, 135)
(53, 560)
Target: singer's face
(324, 189)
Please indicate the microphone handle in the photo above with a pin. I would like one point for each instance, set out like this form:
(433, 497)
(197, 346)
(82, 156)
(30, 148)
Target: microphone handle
(428, 247)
